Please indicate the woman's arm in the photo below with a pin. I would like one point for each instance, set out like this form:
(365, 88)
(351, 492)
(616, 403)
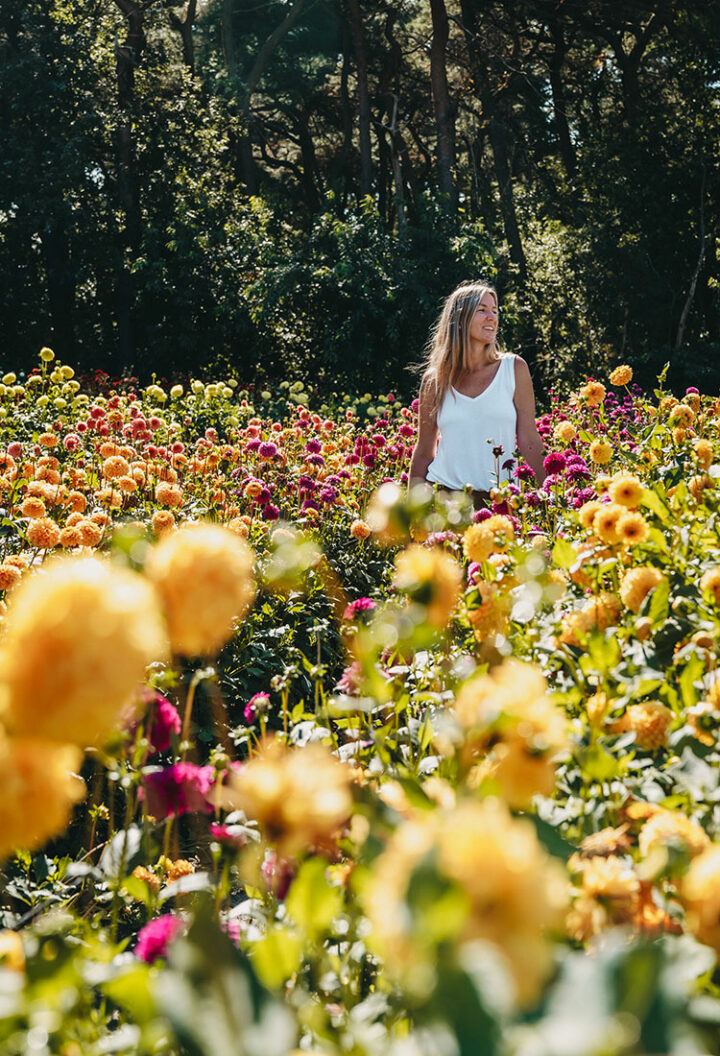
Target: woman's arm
(529, 440)
(424, 450)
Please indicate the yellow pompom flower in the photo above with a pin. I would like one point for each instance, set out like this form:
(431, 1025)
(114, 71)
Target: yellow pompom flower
(682, 416)
(649, 721)
(626, 490)
(359, 530)
(115, 467)
(603, 610)
(491, 536)
(12, 954)
(703, 451)
(600, 452)
(586, 513)
(621, 375)
(670, 827)
(565, 432)
(602, 483)
(612, 882)
(510, 893)
(39, 786)
(204, 576)
(701, 894)
(710, 584)
(593, 393)
(80, 634)
(509, 717)
(699, 484)
(637, 584)
(299, 796)
(430, 577)
(632, 529)
(605, 522)
(492, 616)
(43, 533)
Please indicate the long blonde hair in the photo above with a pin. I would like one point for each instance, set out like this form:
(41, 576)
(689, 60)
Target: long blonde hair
(448, 348)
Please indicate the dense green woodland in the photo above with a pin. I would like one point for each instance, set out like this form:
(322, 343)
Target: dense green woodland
(288, 188)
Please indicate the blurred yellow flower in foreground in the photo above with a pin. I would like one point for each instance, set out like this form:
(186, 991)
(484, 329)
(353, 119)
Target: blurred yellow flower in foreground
(38, 788)
(701, 894)
(431, 578)
(299, 796)
(204, 576)
(509, 717)
(509, 892)
(12, 954)
(80, 634)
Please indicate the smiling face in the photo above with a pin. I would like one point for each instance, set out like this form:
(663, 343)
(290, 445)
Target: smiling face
(483, 324)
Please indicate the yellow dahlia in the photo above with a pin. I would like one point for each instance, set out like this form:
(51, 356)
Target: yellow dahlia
(710, 584)
(649, 721)
(299, 796)
(637, 584)
(632, 529)
(565, 432)
(359, 530)
(606, 520)
(703, 451)
(593, 393)
(701, 894)
(43, 533)
(621, 375)
(626, 490)
(430, 577)
(669, 827)
(39, 786)
(513, 894)
(204, 576)
(80, 634)
(509, 715)
(586, 513)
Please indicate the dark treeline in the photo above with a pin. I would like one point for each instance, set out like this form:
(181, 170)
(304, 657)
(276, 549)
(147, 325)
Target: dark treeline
(290, 187)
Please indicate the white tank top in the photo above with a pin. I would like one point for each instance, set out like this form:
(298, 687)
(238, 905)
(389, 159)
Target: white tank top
(470, 427)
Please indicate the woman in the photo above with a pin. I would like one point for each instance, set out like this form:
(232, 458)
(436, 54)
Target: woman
(477, 405)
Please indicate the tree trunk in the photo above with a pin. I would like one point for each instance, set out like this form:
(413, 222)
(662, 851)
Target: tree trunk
(498, 145)
(184, 26)
(262, 60)
(567, 151)
(127, 57)
(443, 105)
(347, 152)
(358, 36)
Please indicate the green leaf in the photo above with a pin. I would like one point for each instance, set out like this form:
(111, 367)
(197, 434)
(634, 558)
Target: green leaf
(277, 956)
(658, 605)
(564, 554)
(652, 501)
(692, 672)
(313, 903)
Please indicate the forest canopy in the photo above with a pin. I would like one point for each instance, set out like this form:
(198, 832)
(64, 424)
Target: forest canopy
(288, 188)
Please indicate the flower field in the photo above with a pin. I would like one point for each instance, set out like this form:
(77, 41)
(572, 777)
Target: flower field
(299, 759)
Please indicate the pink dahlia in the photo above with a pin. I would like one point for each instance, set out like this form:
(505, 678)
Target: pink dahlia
(153, 940)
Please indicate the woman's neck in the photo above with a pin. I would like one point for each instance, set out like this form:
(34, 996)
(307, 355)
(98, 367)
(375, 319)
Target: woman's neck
(479, 355)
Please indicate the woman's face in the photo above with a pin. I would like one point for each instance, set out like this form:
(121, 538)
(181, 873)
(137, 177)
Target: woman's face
(484, 322)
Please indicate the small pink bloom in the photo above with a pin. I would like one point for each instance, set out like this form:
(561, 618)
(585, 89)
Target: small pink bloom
(153, 940)
(178, 789)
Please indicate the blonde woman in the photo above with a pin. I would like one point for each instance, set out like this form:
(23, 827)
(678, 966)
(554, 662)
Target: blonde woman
(477, 405)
